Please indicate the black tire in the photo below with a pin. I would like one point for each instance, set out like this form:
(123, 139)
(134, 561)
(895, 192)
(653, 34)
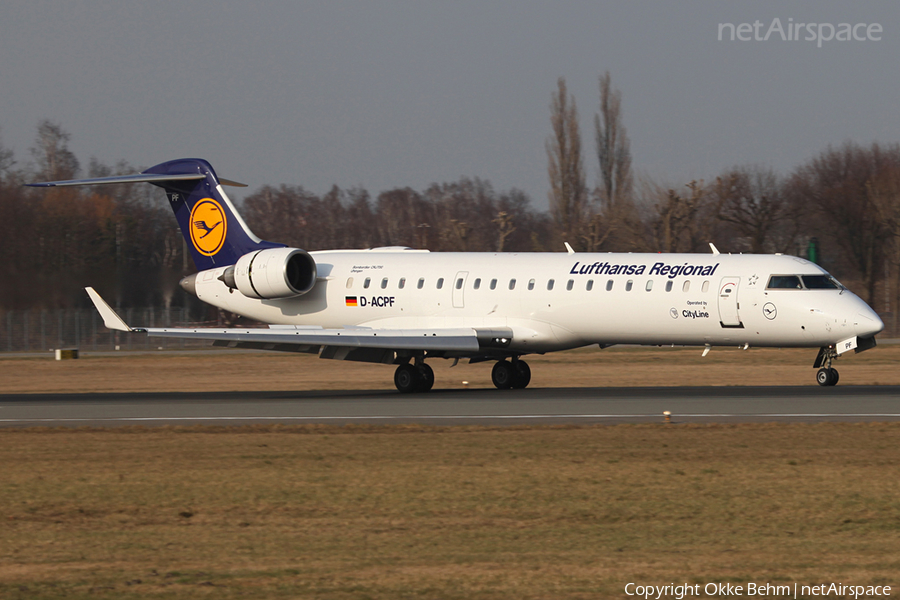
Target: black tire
(407, 378)
(503, 375)
(522, 375)
(426, 377)
(827, 377)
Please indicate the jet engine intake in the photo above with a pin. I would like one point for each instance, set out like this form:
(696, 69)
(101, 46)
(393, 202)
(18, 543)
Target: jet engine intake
(272, 273)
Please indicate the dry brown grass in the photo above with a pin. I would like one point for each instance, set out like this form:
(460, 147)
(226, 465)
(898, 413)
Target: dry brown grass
(416, 512)
(581, 368)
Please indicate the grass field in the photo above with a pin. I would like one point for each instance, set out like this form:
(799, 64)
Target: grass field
(410, 512)
(459, 512)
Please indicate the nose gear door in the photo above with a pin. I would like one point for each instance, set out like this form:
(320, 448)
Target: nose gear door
(729, 308)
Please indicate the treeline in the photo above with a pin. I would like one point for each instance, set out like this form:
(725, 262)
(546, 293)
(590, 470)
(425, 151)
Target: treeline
(841, 208)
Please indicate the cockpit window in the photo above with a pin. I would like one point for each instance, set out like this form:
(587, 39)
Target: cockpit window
(820, 282)
(810, 282)
(784, 282)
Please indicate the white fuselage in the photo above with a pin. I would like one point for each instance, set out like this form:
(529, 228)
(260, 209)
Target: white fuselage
(683, 299)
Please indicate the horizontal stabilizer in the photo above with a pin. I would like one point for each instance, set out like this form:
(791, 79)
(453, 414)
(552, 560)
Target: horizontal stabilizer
(139, 178)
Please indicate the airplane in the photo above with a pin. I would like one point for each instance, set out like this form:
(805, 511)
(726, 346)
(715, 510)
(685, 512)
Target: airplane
(402, 306)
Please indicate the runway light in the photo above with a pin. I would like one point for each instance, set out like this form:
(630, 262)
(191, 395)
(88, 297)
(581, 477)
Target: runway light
(465, 384)
(668, 416)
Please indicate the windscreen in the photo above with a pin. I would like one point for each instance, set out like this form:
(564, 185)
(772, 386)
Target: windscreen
(820, 282)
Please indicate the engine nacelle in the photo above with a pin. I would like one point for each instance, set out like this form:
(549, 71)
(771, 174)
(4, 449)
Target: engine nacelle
(272, 273)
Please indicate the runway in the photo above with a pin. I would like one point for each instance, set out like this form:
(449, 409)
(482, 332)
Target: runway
(457, 407)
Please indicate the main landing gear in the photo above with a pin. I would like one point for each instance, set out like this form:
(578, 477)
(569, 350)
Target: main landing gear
(515, 374)
(827, 375)
(419, 377)
(414, 378)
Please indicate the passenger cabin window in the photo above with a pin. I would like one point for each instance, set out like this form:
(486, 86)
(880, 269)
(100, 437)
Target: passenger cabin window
(590, 285)
(550, 284)
(440, 283)
(628, 285)
(784, 282)
(649, 285)
(367, 282)
(349, 282)
(531, 284)
(493, 284)
(477, 283)
(421, 283)
(705, 287)
(609, 285)
(512, 284)
(668, 286)
(402, 283)
(820, 282)
(384, 283)
(686, 287)
(459, 283)
(570, 284)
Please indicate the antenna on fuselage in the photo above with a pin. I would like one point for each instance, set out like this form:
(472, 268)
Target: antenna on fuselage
(713, 248)
(569, 248)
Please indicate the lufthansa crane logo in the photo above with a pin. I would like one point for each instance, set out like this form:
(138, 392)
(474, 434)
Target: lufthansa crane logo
(208, 226)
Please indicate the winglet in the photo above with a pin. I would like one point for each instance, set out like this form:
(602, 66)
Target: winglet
(713, 248)
(110, 318)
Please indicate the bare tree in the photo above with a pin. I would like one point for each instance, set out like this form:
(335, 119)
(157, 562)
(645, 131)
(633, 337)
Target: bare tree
(682, 223)
(505, 228)
(6, 160)
(568, 192)
(51, 152)
(752, 200)
(834, 184)
(884, 191)
(613, 148)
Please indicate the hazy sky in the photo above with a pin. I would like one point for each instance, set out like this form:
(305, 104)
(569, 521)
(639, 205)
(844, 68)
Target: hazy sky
(385, 94)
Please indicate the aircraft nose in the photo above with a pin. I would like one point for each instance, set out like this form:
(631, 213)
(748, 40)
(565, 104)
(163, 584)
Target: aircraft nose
(868, 323)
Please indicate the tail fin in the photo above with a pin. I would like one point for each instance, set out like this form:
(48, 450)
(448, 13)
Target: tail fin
(212, 227)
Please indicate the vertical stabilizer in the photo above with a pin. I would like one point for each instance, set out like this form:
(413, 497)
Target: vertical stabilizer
(212, 227)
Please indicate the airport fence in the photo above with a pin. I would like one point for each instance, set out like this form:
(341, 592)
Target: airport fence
(47, 330)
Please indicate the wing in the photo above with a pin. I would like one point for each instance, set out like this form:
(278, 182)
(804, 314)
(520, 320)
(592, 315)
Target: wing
(351, 343)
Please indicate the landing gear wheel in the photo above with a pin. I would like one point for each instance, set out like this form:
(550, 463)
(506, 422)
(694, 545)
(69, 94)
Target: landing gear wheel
(407, 378)
(827, 377)
(426, 377)
(503, 375)
(522, 375)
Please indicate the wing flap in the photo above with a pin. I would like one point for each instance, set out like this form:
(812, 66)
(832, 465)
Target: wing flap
(351, 343)
(461, 339)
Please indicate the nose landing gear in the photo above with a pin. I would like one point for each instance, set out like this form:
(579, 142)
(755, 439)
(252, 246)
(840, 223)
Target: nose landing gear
(826, 376)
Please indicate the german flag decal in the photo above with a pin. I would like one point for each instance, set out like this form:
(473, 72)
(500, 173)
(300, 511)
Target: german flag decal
(351, 301)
